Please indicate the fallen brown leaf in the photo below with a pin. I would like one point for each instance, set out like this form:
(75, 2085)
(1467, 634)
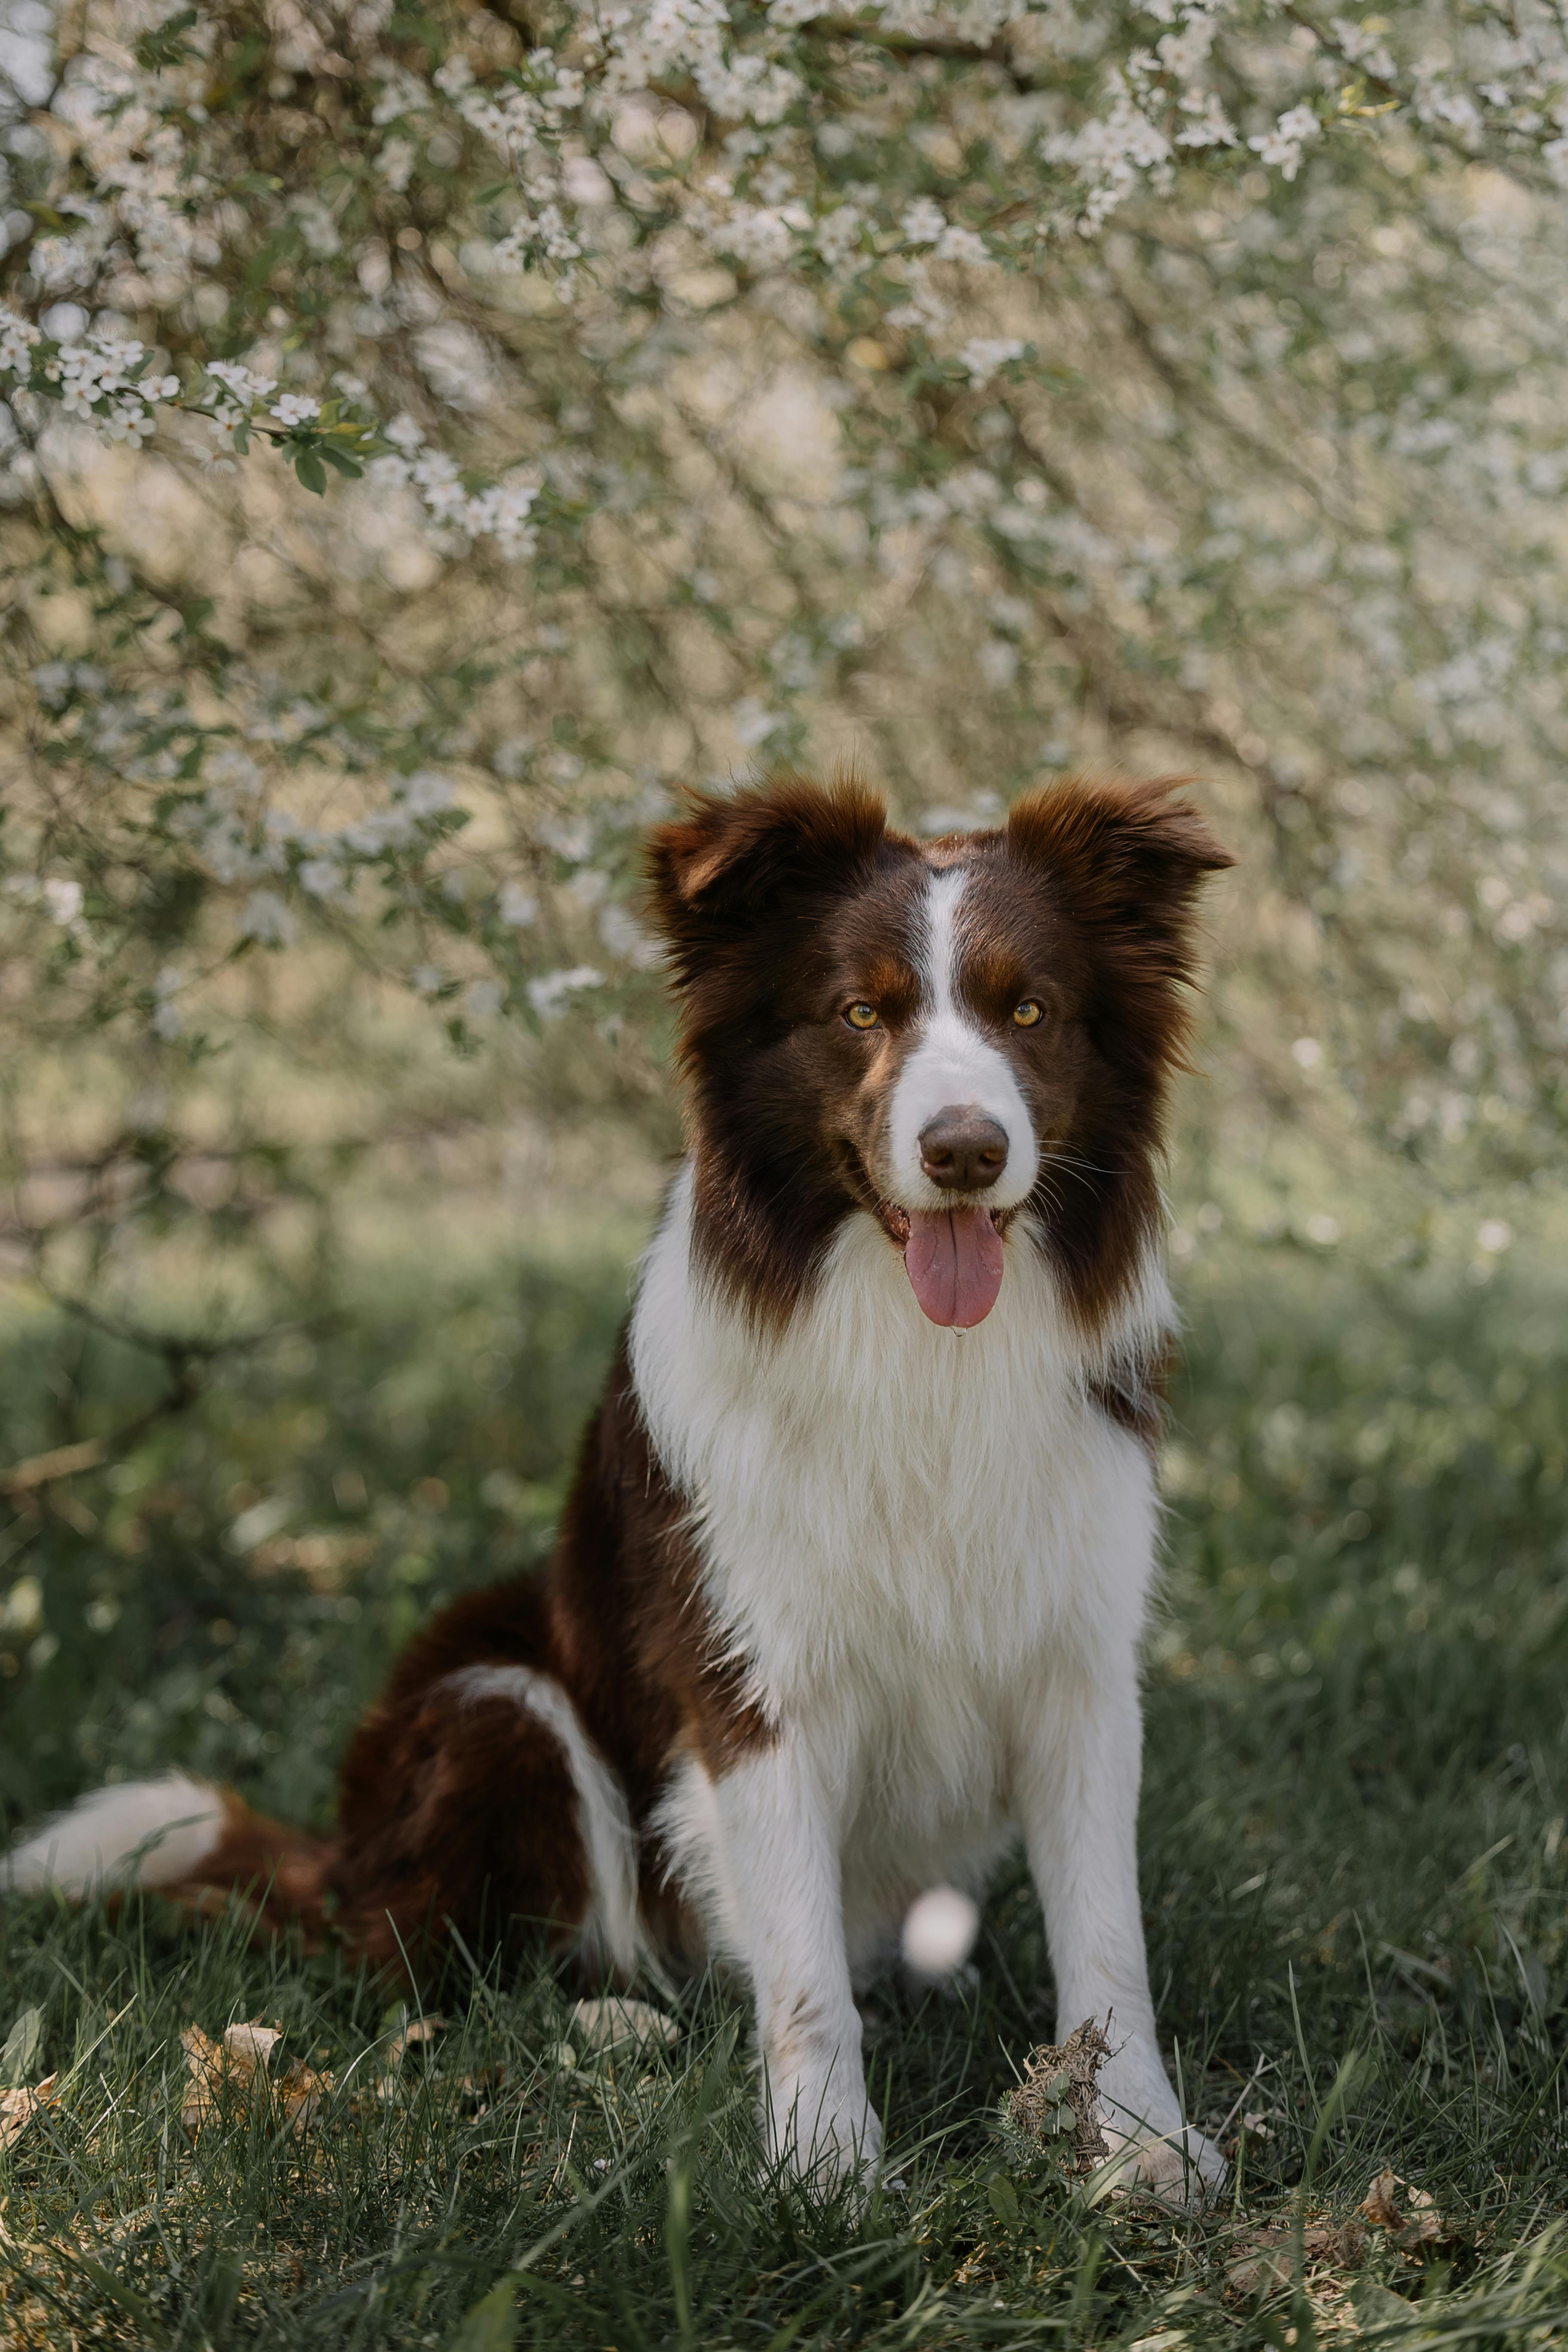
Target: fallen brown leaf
(205, 2073)
(1254, 2126)
(407, 2038)
(20, 2105)
(602, 2024)
(255, 2042)
(1379, 2204)
(1412, 2225)
(299, 2093)
(417, 2029)
(238, 2063)
(1266, 2256)
(1424, 2218)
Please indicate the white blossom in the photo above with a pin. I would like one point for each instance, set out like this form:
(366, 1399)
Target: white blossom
(266, 917)
(549, 994)
(670, 346)
(168, 1020)
(394, 163)
(838, 234)
(624, 937)
(1284, 143)
(133, 425)
(18, 341)
(923, 222)
(957, 243)
(754, 722)
(322, 876)
(425, 792)
(984, 355)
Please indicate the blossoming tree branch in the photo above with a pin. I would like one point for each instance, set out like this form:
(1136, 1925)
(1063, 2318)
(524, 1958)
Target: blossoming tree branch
(433, 434)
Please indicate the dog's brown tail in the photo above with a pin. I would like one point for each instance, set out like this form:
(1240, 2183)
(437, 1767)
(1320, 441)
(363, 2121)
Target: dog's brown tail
(195, 1843)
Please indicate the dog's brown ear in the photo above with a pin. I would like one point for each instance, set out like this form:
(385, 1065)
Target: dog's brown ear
(1127, 856)
(729, 860)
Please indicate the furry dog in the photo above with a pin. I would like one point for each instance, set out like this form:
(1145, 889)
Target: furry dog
(848, 1592)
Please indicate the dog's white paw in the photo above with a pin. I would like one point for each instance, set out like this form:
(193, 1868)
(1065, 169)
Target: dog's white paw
(1180, 2166)
(822, 2135)
(1148, 2145)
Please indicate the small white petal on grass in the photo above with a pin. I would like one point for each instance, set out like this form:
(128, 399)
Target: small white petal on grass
(939, 1932)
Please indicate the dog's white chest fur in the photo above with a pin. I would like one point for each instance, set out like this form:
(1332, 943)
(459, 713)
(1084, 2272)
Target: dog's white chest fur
(905, 1530)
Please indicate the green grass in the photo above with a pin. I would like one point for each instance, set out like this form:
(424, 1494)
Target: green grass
(1355, 1856)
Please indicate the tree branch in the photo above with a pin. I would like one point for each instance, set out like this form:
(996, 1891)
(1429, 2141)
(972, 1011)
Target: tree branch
(919, 45)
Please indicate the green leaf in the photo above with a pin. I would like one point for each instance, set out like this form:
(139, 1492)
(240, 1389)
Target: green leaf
(340, 459)
(310, 471)
(411, 24)
(491, 2324)
(1004, 2200)
(21, 2049)
(163, 46)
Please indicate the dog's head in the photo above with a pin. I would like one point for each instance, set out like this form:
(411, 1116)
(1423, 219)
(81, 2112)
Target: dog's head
(955, 1037)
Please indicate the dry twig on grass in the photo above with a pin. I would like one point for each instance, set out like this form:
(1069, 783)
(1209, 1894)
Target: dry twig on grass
(1058, 2102)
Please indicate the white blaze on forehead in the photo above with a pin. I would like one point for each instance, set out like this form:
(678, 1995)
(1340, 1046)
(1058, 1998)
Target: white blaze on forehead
(953, 1064)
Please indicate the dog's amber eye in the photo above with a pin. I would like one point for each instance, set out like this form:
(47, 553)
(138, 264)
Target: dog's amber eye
(1026, 1014)
(860, 1016)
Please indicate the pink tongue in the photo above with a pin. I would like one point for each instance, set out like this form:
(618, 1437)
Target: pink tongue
(954, 1258)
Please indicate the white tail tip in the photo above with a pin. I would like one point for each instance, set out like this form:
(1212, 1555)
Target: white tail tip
(143, 1833)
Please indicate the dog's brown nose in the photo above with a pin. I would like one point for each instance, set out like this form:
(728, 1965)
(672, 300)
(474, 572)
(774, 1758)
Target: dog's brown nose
(962, 1151)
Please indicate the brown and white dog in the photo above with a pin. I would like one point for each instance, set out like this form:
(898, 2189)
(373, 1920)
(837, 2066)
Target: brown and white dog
(849, 1590)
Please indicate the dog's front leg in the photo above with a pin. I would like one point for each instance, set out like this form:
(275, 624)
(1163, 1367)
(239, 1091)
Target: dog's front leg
(781, 1864)
(1077, 1798)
